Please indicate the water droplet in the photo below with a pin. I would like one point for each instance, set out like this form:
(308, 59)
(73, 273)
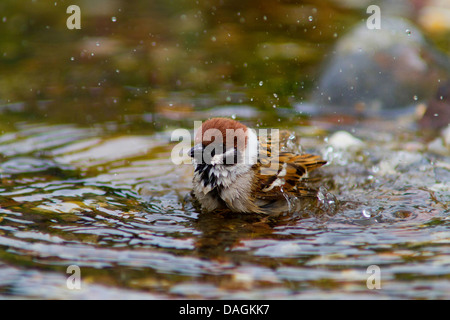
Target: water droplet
(233, 116)
(408, 32)
(441, 97)
(72, 58)
(415, 98)
(366, 213)
(113, 19)
(310, 18)
(117, 71)
(213, 39)
(261, 83)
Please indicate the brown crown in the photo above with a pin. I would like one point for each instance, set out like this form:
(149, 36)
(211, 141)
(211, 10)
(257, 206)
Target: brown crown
(220, 124)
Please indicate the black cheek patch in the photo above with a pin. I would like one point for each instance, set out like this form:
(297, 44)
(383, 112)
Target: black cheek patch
(232, 159)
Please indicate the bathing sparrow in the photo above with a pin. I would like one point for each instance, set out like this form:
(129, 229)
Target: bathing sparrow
(237, 171)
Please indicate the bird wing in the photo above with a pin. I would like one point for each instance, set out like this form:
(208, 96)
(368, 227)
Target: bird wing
(288, 172)
(282, 172)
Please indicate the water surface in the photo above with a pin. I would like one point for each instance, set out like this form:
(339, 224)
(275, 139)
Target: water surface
(86, 176)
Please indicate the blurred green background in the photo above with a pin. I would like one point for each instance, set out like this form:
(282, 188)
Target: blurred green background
(130, 56)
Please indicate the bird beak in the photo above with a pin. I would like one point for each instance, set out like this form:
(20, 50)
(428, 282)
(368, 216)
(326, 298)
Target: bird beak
(197, 149)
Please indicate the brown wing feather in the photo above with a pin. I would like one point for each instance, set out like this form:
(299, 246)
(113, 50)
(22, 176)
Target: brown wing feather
(289, 174)
(292, 169)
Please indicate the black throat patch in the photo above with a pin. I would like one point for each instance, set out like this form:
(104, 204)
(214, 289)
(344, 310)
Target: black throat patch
(208, 179)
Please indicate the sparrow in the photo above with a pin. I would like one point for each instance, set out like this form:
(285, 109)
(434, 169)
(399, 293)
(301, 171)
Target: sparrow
(237, 171)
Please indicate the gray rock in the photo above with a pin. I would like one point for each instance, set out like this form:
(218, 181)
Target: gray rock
(389, 68)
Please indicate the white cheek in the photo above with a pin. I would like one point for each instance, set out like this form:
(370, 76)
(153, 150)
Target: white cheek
(218, 159)
(251, 152)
